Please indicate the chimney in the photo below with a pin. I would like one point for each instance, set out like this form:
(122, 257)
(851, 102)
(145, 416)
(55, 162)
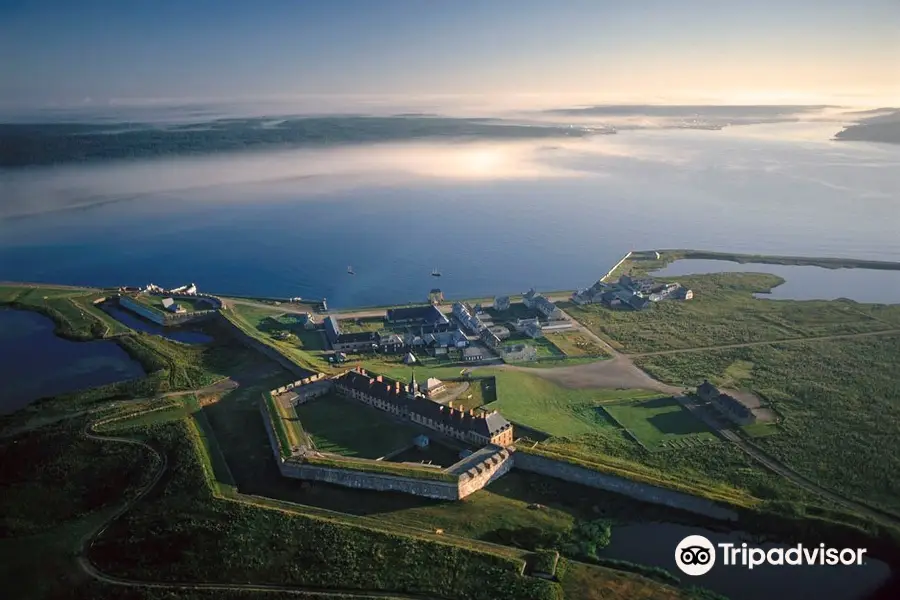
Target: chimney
(471, 411)
(450, 404)
(371, 381)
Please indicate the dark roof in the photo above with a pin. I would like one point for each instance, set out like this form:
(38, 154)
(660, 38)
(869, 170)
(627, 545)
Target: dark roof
(426, 314)
(332, 330)
(492, 424)
(706, 390)
(436, 328)
(388, 390)
(355, 338)
(733, 405)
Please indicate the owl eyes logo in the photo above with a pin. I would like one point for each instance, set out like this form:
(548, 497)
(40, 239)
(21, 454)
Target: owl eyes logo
(695, 555)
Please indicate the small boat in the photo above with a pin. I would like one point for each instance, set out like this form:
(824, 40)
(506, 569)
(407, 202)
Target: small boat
(435, 273)
(350, 271)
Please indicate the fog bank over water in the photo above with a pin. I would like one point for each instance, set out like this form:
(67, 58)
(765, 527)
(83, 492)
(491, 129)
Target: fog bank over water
(496, 216)
(791, 152)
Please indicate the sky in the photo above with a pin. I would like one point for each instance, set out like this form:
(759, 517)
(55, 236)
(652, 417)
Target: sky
(506, 52)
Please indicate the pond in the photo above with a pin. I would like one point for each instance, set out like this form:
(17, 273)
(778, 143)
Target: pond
(654, 544)
(37, 363)
(185, 336)
(803, 282)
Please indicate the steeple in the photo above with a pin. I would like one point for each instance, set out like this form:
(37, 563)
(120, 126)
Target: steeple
(413, 388)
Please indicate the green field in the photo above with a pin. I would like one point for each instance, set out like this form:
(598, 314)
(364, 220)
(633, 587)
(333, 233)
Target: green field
(838, 400)
(345, 426)
(358, 325)
(558, 411)
(305, 347)
(575, 344)
(660, 423)
(72, 310)
(724, 311)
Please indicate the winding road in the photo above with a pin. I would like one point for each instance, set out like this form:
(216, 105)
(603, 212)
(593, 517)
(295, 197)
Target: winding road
(91, 570)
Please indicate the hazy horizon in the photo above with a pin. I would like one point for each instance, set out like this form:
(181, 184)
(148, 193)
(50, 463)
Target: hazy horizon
(467, 57)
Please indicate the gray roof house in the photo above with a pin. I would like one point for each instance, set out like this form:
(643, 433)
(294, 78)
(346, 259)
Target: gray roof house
(472, 354)
(501, 303)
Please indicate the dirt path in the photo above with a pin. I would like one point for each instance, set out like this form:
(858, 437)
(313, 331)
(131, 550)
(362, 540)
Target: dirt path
(220, 386)
(776, 466)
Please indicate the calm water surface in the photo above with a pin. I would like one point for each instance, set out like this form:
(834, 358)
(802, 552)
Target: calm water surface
(36, 363)
(803, 282)
(654, 544)
(740, 190)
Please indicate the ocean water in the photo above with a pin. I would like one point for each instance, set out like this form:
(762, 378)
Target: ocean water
(873, 286)
(493, 216)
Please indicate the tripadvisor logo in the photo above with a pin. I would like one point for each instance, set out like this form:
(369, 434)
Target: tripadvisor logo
(696, 555)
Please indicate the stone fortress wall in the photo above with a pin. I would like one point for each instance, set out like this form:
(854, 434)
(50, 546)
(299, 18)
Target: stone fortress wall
(169, 319)
(480, 469)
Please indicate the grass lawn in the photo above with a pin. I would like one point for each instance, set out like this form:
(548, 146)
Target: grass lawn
(575, 344)
(359, 325)
(71, 309)
(838, 400)
(660, 423)
(348, 427)
(724, 311)
(543, 405)
(757, 430)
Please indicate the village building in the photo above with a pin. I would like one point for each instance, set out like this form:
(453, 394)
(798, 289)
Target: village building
(500, 331)
(307, 320)
(727, 404)
(533, 331)
(472, 354)
(490, 338)
(469, 321)
(349, 342)
(519, 353)
(548, 309)
(432, 387)
(521, 324)
(406, 401)
(426, 315)
(501, 303)
(170, 305)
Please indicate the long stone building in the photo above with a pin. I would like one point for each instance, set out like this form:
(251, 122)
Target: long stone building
(406, 401)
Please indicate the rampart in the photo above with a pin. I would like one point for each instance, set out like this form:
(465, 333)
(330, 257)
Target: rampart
(566, 471)
(462, 479)
(169, 319)
(469, 474)
(255, 344)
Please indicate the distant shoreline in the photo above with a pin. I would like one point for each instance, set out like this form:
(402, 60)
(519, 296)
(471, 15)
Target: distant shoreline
(661, 257)
(672, 255)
